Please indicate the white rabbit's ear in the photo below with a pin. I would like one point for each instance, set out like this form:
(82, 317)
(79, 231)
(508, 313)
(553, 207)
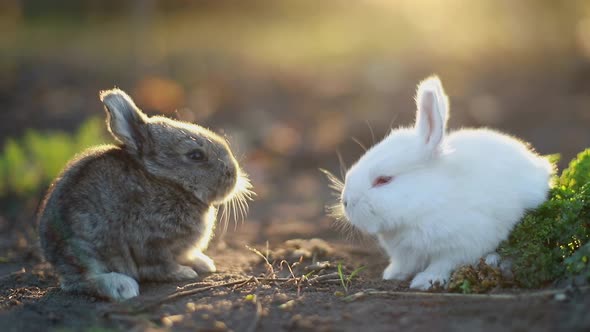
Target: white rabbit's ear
(432, 113)
(124, 120)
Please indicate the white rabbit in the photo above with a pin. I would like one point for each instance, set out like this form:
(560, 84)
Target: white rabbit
(438, 201)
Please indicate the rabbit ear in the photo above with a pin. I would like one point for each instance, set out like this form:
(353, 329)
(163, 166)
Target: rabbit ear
(124, 120)
(432, 113)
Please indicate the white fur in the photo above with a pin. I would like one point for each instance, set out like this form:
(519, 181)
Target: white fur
(493, 259)
(453, 197)
(207, 229)
(116, 286)
(195, 257)
(199, 261)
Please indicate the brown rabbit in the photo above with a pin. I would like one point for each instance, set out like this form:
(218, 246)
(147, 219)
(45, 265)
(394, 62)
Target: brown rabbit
(142, 210)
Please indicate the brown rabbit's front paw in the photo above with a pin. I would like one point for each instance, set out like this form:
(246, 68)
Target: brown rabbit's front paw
(115, 286)
(183, 273)
(199, 261)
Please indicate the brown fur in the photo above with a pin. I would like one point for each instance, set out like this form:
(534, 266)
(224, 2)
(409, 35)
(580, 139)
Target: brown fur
(136, 209)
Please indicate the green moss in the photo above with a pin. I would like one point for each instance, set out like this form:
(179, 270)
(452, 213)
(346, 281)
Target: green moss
(578, 172)
(546, 245)
(578, 263)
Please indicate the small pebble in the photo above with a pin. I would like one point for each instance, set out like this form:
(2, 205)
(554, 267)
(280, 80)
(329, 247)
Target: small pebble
(318, 266)
(287, 305)
(171, 320)
(560, 297)
(280, 298)
(219, 325)
(190, 306)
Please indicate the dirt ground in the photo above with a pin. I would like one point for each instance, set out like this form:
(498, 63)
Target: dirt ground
(278, 300)
(30, 299)
(285, 122)
(247, 294)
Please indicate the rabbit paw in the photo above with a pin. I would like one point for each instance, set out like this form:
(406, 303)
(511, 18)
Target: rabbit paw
(117, 286)
(493, 259)
(426, 280)
(393, 272)
(200, 262)
(184, 273)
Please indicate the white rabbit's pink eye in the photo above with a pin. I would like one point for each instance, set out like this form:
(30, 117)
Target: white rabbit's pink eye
(382, 180)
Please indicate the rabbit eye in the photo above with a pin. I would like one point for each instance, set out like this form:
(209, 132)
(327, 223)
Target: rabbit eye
(196, 155)
(382, 180)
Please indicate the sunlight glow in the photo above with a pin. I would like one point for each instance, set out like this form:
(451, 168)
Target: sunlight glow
(236, 206)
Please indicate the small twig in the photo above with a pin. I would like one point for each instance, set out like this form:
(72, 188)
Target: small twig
(276, 279)
(191, 285)
(333, 275)
(176, 295)
(13, 274)
(332, 281)
(268, 265)
(179, 294)
(288, 266)
(542, 293)
(246, 282)
(317, 266)
(295, 279)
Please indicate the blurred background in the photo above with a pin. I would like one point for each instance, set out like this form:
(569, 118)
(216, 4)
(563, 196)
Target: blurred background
(289, 82)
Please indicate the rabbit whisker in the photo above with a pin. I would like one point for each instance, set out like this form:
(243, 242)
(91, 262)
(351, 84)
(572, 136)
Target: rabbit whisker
(336, 184)
(224, 217)
(336, 211)
(343, 166)
(236, 207)
(357, 141)
(395, 116)
(371, 130)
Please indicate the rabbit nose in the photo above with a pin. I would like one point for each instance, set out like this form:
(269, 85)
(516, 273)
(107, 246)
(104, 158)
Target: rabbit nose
(230, 171)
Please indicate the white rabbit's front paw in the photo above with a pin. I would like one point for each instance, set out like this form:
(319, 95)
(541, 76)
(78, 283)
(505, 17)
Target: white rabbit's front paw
(393, 272)
(493, 259)
(425, 280)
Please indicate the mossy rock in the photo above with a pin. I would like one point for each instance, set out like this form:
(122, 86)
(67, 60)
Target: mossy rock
(480, 278)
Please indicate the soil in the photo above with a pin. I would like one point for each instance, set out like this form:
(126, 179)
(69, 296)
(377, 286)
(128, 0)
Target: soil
(290, 123)
(248, 294)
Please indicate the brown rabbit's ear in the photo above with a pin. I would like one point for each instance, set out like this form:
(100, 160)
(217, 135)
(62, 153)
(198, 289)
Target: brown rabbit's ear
(124, 120)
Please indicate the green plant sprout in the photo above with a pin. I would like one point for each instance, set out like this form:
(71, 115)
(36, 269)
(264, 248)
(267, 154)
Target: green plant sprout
(346, 280)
